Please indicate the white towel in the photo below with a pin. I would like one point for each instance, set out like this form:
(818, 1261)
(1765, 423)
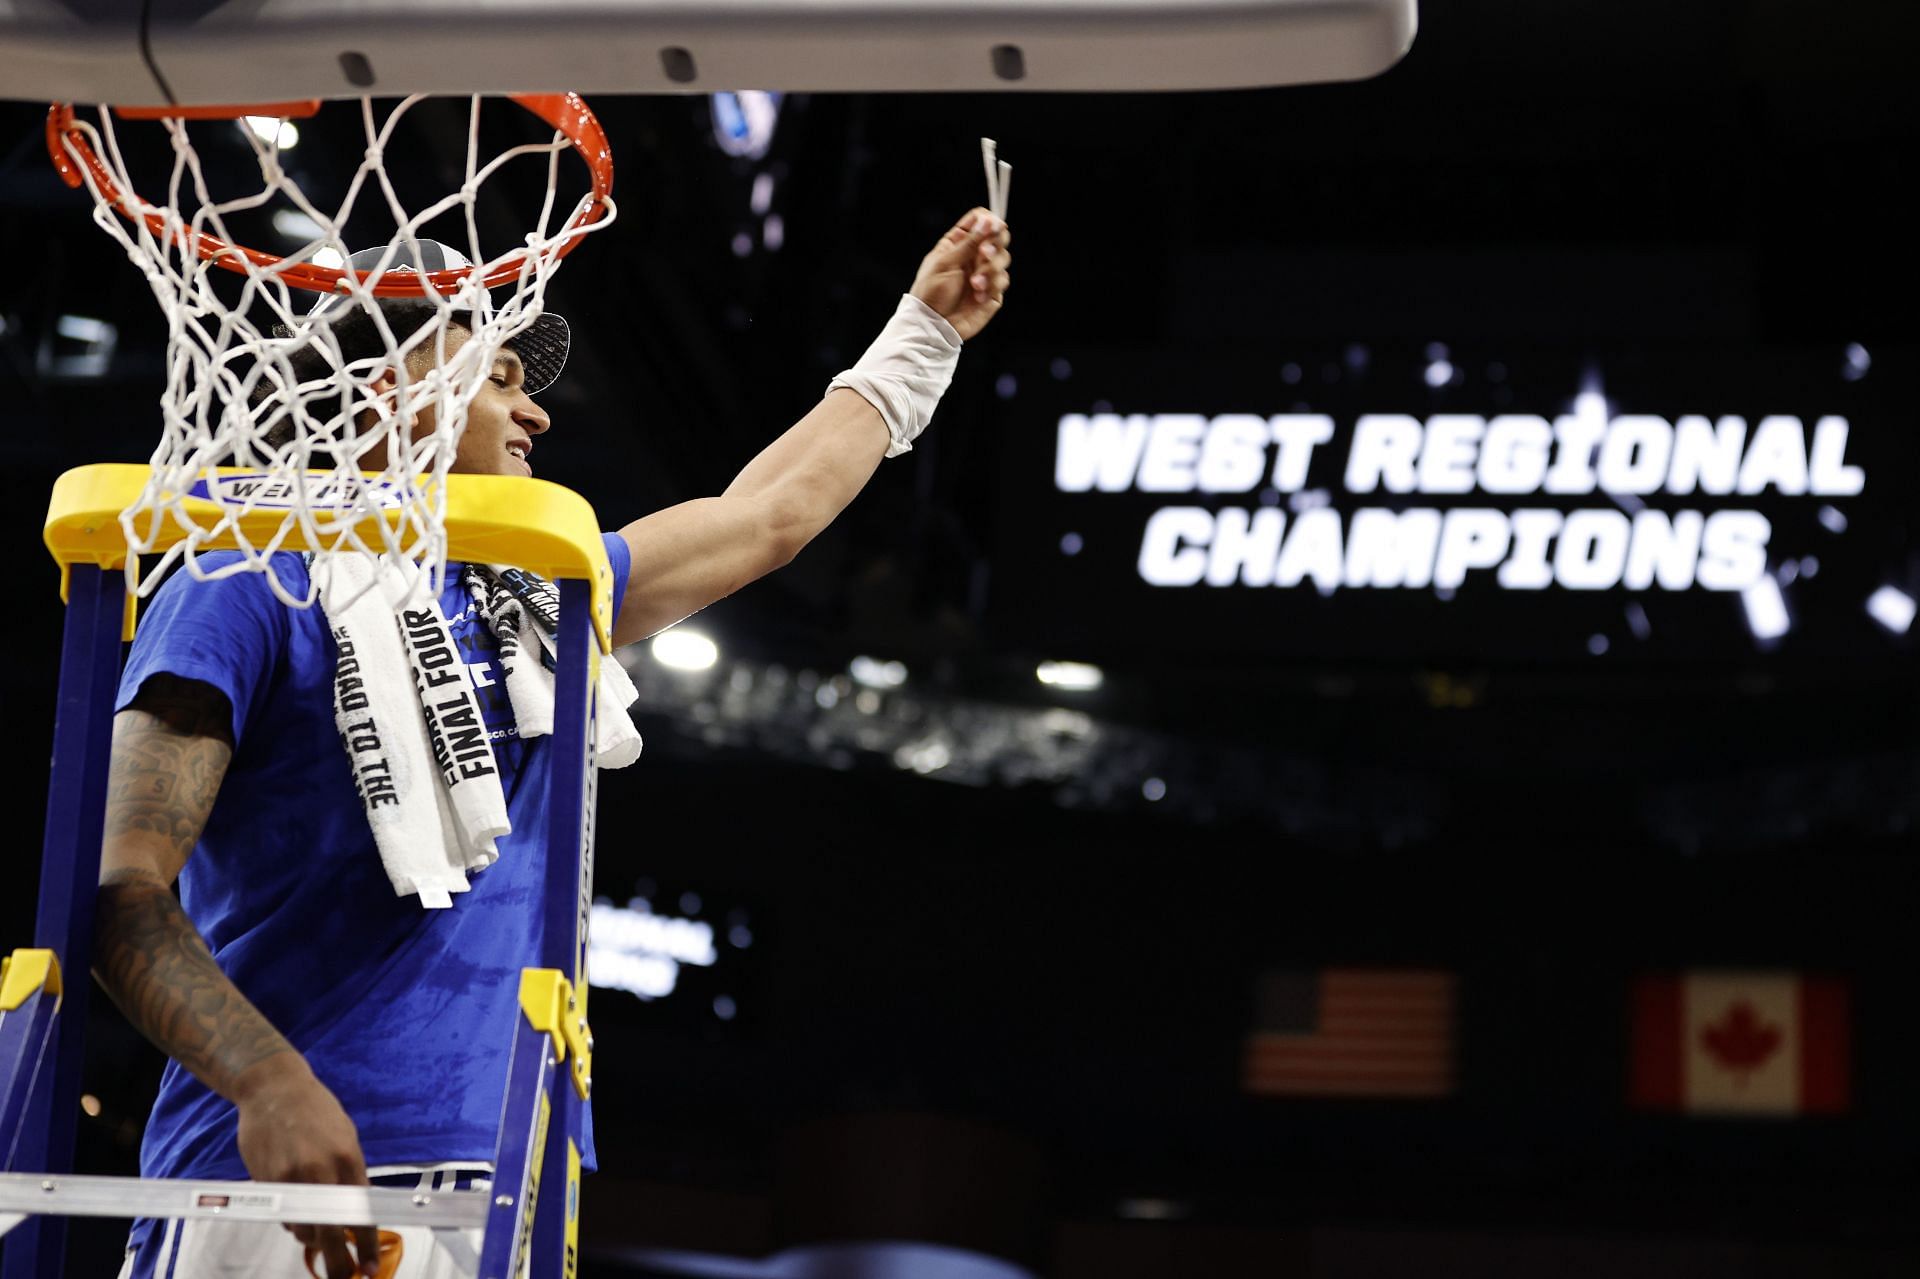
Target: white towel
(417, 742)
(407, 714)
(411, 724)
(457, 732)
(523, 611)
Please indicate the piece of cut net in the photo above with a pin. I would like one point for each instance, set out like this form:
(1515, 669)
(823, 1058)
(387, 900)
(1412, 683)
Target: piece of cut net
(231, 380)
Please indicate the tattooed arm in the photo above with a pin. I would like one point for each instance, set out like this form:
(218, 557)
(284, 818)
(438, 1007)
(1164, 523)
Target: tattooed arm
(171, 747)
(170, 751)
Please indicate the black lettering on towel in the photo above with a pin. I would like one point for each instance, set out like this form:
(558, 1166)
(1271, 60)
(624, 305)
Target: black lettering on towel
(460, 747)
(372, 777)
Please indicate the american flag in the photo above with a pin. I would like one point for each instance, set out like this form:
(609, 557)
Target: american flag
(1348, 1032)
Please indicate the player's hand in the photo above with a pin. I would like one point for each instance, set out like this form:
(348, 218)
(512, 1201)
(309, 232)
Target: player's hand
(293, 1129)
(966, 276)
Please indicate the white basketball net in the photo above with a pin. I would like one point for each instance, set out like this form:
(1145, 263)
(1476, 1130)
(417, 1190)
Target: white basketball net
(231, 362)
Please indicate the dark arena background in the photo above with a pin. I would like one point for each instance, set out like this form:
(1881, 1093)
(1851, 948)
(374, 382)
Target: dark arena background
(1451, 534)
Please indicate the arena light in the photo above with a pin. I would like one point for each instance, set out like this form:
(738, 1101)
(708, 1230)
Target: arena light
(296, 225)
(1858, 362)
(1893, 608)
(84, 328)
(744, 122)
(874, 673)
(85, 349)
(924, 757)
(1077, 677)
(684, 650)
(273, 131)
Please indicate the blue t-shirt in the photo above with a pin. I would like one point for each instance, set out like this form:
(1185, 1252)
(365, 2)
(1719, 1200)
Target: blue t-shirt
(406, 1014)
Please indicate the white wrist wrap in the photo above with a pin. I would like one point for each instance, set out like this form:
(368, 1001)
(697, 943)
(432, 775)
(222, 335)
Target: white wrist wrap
(906, 370)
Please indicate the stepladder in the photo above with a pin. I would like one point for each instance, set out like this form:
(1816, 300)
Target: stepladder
(526, 1219)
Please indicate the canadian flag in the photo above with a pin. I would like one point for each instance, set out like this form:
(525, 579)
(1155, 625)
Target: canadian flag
(1741, 1043)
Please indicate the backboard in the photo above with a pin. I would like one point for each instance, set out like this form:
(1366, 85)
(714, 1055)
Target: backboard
(193, 52)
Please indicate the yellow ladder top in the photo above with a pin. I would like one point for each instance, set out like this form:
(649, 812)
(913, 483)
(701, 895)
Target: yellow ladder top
(535, 525)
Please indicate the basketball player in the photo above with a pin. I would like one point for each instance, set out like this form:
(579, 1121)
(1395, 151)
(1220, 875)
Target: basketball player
(321, 1028)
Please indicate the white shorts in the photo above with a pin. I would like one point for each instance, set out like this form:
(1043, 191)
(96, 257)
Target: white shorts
(207, 1249)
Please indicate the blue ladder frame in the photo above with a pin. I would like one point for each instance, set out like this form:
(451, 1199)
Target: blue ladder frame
(69, 872)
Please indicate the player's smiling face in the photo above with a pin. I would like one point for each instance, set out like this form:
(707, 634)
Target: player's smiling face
(502, 422)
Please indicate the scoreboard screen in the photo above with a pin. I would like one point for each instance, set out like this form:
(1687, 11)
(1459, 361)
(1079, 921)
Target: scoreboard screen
(1431, 502)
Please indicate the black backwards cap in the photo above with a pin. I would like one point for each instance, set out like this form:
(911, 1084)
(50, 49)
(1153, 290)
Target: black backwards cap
(542, 346)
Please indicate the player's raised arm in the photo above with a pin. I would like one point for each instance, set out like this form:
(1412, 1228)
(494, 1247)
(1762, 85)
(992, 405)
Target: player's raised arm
(171, 748)
(688, 556)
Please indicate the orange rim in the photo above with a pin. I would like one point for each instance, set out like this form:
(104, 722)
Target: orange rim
(566, 112)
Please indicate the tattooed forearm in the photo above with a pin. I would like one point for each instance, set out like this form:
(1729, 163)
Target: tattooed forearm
(171, 748)
(153, 963)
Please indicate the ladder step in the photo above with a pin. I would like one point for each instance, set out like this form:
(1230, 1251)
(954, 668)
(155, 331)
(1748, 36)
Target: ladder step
(280, 1201)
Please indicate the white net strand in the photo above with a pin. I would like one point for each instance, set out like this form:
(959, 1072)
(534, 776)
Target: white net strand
(234, 385)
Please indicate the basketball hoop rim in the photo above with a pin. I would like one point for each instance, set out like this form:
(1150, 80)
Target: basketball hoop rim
(568, 113)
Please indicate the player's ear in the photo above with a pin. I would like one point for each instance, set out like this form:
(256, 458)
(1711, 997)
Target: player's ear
(383, 386)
